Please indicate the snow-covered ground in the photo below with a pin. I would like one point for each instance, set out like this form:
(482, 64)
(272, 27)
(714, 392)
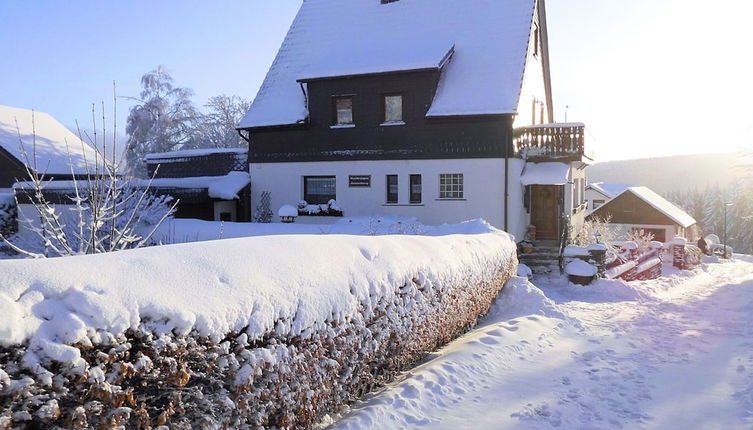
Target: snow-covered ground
(180, 230)
(673, 353)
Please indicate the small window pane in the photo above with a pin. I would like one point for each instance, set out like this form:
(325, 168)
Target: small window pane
(393, 108)
(344, 110)
(318, 190)
(451, 186)
(391, 188)
(415, 188)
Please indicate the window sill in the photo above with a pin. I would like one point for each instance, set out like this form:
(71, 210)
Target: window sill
(338, 126)
(392, 124)
(403, 204)
(451, 200)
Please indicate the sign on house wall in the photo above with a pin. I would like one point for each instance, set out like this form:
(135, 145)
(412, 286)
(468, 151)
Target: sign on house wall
(359, 181)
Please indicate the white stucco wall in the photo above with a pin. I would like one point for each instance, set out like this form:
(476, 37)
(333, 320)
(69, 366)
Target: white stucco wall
(483, 184)
(592, 195)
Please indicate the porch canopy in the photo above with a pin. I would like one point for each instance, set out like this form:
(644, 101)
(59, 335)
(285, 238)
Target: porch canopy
(545, 174)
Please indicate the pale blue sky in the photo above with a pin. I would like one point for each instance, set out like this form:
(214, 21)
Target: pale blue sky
(648, 77)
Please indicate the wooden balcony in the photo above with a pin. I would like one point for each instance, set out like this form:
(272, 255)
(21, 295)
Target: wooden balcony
(552, 142)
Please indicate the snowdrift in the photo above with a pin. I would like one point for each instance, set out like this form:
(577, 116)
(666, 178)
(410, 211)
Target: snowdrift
(263, 331)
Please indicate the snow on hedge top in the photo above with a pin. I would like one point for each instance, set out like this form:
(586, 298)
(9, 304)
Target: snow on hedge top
(52, 155)
(340, 37)
(662, 205)
(282, 283)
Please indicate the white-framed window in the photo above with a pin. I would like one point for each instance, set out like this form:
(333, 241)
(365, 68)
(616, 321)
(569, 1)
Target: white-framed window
(319, 189)
(451, 186)
(393, 109)
(342, 107)
(598, 203)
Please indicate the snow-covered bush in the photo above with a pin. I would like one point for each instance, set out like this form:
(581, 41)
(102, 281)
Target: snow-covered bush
(592, 229)
(99, 211)
(331, 208)
(224, 344)
(8, 214)
(641, 238)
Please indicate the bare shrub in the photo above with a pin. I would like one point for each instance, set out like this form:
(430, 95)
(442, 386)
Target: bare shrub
(590, 230)
(100, 211)
(641, 238)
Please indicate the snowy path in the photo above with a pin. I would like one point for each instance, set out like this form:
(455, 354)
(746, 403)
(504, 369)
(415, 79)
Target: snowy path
(674, 353)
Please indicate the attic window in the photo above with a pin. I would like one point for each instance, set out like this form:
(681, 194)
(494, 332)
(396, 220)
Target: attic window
(342, 110)
(393, 109)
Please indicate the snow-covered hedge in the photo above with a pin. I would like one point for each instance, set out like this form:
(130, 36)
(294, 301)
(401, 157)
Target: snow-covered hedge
(253, 332)
(8, 214)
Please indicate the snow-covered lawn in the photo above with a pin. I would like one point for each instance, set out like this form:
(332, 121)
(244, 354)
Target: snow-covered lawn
(673, 353)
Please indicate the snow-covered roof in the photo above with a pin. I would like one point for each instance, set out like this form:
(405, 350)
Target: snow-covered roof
(52, 154)
(610, 190)
(545, 174)
(661, 204)
(219, 187)
(188, 153)
(417, 54)
(484, 75)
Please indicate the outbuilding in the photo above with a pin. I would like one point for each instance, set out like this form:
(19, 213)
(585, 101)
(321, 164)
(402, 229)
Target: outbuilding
(640, 208)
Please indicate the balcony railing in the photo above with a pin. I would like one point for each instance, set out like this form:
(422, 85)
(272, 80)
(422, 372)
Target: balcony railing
(552, 141)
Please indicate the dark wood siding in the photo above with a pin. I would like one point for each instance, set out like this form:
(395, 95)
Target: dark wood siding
(419, 138)
(630, 209)
(11, 170)
(206, 165)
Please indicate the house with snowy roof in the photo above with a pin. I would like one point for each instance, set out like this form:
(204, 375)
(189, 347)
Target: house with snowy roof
(209, 184)
(597, 193)
(39, 141)
(640, 208)
(436, 109)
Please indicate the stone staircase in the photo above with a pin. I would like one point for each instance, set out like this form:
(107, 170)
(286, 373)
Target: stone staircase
(544, 260)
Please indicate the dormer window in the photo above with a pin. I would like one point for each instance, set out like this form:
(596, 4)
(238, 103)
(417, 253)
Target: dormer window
(393, 109)
(343, 110)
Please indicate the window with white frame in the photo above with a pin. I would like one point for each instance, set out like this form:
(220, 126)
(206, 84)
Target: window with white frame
(343, 110)
(451, 186)
(393, 109)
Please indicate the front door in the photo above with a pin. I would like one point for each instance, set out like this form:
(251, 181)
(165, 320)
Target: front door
(545, 210)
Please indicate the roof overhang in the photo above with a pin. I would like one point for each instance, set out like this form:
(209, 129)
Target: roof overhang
(545, 174)
(398, 61)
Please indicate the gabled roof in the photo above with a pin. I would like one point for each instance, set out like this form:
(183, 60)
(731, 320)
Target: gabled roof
(656, 201)
(52, 154)
(609, 190)
(344, 37)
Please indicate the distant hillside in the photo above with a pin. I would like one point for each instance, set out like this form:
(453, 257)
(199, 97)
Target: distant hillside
(676, 173)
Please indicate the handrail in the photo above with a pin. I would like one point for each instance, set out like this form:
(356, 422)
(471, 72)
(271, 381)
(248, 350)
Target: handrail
(563, 242)
(551, 139)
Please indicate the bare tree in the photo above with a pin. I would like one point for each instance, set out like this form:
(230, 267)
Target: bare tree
(217, 128)
(164, 119)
